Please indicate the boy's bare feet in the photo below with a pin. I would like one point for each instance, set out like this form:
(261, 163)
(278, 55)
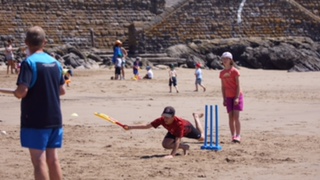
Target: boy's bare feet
(199, 115)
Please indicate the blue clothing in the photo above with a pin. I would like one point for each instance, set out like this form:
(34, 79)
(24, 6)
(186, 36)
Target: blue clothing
(135, 72)
(40, 108)
(198, 81)
(41, 139)
(117, 53)
(136, 66)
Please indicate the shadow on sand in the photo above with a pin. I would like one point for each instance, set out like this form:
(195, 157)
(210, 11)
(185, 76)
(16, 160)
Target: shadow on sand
(157, 156)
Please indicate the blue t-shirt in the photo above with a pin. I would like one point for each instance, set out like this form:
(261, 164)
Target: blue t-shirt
(117, 53)
(43, 76)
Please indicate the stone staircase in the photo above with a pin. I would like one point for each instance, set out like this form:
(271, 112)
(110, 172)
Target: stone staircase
(310, 5)
(307, 3)
(162, 58)
(216, 19)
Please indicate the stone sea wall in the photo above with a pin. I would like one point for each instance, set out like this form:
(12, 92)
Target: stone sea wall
(82, 23)
(151, 26)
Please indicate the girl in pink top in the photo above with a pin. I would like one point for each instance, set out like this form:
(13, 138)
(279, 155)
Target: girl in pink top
(231, 94)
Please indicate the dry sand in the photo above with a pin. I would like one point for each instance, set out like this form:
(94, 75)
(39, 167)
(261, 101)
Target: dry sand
(280, 128)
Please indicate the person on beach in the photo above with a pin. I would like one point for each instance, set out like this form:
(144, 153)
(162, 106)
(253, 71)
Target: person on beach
(199, 79)
(39, 86)
(136, 67)
(117, 60)
(177, 129)
(123, 63)
(11, 64)
(232, 95)
(173, 79)
(67, 73)
(149, 74)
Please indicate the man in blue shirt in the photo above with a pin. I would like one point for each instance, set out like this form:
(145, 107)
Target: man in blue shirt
(40, 84)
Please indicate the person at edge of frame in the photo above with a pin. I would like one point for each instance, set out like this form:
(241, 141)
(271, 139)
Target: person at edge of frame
(40, 84)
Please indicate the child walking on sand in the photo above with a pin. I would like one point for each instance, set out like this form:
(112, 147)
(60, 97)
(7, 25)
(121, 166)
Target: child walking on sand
(177, 129)
(172, 79)
(231, 94)
(198, 75)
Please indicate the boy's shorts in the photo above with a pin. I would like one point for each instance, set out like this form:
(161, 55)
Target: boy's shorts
(193, 134)
(41, 139)
(198, 81)
(232, 107)
(173, 81)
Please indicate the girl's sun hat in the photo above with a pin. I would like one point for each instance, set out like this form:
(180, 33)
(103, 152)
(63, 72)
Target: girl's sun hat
(227, 55)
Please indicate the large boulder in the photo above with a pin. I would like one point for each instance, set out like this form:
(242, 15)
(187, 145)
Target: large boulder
(287, 53)
(213, 61)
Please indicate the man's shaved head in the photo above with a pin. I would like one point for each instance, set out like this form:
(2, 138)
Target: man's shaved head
(35, 37)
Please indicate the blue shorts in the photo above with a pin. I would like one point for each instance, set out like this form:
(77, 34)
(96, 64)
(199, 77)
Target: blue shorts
(41, 139)
(232, 107)
(198, 81)
(135, 72)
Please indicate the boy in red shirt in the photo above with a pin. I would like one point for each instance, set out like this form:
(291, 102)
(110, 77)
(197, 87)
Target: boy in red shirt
(177, 128)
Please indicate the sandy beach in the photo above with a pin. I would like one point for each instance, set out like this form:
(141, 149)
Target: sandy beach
(280, 128)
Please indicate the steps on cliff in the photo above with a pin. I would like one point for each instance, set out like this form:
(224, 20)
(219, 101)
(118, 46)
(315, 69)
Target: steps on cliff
(153, 55)
(154, 58)
(162, 58)
(166, 60)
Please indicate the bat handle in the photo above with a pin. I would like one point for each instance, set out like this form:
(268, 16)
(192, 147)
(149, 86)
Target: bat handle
(123, 126)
